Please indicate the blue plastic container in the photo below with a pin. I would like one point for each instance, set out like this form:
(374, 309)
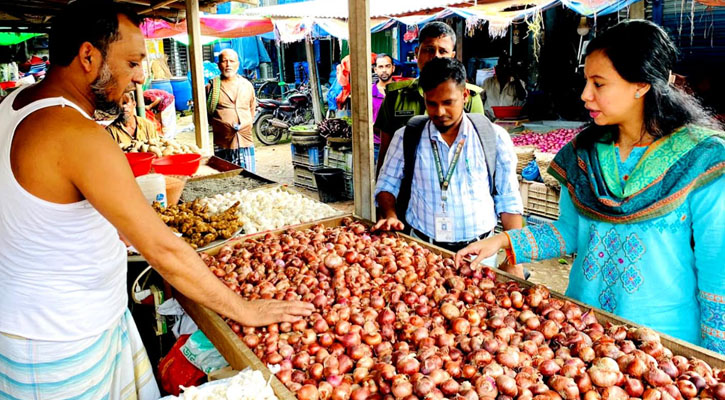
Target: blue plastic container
(182, 92)
(162, 84)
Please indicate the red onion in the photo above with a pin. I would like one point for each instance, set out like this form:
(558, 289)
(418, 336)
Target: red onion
(308, 392)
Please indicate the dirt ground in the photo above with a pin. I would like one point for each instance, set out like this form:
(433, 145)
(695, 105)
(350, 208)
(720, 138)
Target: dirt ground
(275, 163)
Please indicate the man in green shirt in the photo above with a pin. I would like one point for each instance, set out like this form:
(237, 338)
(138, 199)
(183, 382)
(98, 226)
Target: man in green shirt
(404, 100)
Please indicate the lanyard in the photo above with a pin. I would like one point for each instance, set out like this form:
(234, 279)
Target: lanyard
(444, 181)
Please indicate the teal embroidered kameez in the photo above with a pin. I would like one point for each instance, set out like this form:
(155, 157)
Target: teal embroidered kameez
(649, 233)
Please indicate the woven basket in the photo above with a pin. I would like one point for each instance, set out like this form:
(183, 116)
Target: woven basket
(524, 154)
(543, 160)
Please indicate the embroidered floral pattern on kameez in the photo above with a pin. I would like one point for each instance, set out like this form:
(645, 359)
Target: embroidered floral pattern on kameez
(616, 259)
(537, 242)
(712, 320)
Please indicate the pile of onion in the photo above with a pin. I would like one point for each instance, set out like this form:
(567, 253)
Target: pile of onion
(397, 321)
(550, 142)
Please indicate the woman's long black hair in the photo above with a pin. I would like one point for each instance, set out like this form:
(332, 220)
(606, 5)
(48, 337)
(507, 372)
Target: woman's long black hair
(641, 52)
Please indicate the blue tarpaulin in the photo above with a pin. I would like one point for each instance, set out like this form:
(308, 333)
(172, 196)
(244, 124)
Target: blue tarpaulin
(251, 52)
(250, 49)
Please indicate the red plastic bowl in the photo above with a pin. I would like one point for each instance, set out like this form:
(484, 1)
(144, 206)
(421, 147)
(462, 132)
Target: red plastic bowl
(140, 162)
(177, 164)
(502, 112)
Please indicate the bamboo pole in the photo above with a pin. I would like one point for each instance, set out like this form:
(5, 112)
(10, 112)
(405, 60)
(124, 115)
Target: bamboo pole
(201, 124)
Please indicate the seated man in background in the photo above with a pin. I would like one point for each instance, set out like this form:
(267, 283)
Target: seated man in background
(503, 89)
(128, 126)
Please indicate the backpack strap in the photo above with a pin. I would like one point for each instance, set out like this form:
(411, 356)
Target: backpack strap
(212, 100)
(487, 135)
(411, 138)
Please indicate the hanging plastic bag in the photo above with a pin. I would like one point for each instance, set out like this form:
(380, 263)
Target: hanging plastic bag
(202, 353)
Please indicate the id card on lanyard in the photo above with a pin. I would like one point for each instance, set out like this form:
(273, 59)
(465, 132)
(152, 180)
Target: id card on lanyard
(444, 227)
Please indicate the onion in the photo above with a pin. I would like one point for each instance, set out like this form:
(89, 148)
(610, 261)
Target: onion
(549, 368)
(408, 365)
(657, 378)
(450, 387)
(460, 326)
(308, 392)
(423, 386)
(614, 393)
(566, 387)
(604, 372)
(509, 357)
(401, 387)
(251, 340)
(507, 385)
(719, 391)
(486, 387)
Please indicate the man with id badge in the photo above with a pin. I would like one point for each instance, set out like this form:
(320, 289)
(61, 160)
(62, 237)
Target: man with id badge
(449, 176)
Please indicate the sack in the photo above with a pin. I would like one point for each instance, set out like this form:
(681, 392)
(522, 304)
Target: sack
(202, 353)
(176, 370)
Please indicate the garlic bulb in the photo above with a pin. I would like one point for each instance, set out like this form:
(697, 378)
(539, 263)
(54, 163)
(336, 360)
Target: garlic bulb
(246, 385)
(270, 209)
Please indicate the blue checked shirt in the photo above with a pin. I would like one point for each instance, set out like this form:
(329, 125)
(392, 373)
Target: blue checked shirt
(469, 203)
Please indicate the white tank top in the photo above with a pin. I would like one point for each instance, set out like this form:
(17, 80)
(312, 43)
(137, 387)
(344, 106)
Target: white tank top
(62, 266)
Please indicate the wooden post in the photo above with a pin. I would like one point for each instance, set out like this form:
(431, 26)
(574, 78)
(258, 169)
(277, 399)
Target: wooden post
(361, 106)
(140, 106)
(636, 10)
(459, 40)
(314, 87)
(201, 124)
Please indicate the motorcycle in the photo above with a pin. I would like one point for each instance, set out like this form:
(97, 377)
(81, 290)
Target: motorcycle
(274, 118)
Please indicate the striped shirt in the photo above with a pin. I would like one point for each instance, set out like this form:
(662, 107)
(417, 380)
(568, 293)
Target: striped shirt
(473, 210)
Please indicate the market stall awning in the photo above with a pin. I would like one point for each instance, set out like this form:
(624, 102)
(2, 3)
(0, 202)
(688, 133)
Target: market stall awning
(590, 8)
(219, 26)
(289, 30)
(338, 8)
(10, 38)
(500, 14)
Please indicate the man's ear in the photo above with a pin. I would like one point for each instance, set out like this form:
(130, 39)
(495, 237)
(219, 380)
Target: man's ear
(466, 94)
(89, 57)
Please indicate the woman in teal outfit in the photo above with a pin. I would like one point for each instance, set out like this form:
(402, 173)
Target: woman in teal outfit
(643, 195)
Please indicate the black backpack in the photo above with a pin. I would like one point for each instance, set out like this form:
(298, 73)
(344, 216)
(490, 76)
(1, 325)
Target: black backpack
(411, 138)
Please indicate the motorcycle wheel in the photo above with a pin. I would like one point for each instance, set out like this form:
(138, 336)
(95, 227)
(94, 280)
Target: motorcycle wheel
(265, 132)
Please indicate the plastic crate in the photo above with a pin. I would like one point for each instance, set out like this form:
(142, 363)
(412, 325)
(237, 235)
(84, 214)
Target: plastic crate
(349, 188)
(338, 159)
(304, 177)
(537, 220)
(307, 156)
(539, 200)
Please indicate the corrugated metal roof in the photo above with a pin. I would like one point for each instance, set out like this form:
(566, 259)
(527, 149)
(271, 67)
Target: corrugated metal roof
(338, 8)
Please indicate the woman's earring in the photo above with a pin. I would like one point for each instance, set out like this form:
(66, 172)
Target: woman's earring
(636, 95)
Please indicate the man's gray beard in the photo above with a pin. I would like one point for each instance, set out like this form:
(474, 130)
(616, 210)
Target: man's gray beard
(99, 88)
(122, 119)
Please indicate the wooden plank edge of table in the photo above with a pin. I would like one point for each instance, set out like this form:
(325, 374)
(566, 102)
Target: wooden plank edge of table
(227, 341)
